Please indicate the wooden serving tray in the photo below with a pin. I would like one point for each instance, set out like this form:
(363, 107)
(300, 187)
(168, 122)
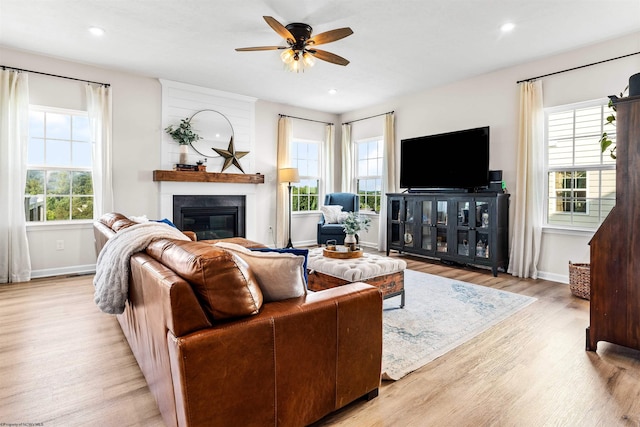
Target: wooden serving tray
(342, 253)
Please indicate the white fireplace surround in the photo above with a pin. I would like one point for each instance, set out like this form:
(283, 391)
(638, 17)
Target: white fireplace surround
(180, 100)
(169, 188)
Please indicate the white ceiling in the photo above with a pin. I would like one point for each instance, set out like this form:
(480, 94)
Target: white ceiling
(397, 47)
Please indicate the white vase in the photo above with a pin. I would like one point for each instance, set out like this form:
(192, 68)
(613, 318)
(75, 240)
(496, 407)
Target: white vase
(184, 153)
(350, 242)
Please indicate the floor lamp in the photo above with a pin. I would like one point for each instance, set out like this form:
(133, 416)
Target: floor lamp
(289, 175)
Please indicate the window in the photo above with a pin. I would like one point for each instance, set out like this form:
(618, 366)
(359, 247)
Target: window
(369, 153)
(305, 155)
(581, 180)
(59, 182)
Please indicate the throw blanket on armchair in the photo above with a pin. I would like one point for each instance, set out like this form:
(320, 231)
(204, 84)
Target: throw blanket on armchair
(112, 268)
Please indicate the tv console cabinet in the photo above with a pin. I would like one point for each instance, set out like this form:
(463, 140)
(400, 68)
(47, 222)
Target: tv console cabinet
(467, 228)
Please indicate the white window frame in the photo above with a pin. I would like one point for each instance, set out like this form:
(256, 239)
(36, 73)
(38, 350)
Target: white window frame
(576, 168)
(48, 168)
(357, 146)
(303, 178)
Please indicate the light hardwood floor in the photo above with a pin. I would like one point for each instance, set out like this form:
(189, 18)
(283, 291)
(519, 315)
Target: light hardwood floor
(64, 363)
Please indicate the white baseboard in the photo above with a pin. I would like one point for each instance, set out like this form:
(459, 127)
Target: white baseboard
(64, 271)
(553, 277)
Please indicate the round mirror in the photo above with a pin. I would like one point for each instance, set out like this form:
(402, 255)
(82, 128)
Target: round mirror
(214, 129)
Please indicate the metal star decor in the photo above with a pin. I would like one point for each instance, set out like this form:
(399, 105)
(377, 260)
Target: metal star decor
(231, 156)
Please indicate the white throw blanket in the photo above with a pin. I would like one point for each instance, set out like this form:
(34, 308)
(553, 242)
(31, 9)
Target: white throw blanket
(112, 268)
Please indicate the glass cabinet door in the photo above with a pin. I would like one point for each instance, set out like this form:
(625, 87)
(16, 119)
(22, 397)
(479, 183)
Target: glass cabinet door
(394, 213)
(441, 240)
(462, 208)
(482, 215)
(427, 225)
(482, 244)
(409, 220)
(442, 214)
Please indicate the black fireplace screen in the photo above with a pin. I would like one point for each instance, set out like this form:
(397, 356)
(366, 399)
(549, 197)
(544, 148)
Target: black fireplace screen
(210, 217)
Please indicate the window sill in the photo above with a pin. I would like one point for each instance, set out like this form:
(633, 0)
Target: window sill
(60, 225)
(551, 229)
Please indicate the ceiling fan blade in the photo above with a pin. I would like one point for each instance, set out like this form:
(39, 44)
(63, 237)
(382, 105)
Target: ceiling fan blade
(279, 28)
(330, 36)
(247, 49)
(328, 56)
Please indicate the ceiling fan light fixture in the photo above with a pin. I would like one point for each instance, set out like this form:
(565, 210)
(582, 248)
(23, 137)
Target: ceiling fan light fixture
(308, 59)
(287, 56)
(297, 56)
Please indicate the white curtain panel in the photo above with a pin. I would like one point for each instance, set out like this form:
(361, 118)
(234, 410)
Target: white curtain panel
(15, 263)
(347, 159)
(388, 176)
(329, 155)
(282, 194)
(99, 109)
(529, 197)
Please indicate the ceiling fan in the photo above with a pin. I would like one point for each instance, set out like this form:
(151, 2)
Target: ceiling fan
(300, 50)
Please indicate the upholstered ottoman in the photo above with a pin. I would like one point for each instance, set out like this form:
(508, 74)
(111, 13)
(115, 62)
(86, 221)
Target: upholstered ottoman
(385, 273)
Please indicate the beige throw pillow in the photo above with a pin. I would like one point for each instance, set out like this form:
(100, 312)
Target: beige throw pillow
(280, 276)
(331, 213)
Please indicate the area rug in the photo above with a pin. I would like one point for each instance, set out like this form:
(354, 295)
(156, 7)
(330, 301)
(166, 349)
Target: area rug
(440, 314)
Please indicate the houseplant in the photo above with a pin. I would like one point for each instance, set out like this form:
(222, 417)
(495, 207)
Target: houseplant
(184, 136)
(352, 224)
(605, 140)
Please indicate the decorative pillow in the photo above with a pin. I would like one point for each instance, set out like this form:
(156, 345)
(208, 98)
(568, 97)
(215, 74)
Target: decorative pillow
(143, 218)
(224, 285)
(299, 252)
(166, 221)
(331, 213)
(342, 217)
(280, 275)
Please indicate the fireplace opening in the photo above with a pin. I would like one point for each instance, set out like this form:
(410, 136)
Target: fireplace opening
(210, 217)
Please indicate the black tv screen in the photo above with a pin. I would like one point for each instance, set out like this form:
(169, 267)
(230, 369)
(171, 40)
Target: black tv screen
(453, 160)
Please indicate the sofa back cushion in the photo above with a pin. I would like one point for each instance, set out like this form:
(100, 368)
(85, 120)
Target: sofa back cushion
(223, 283)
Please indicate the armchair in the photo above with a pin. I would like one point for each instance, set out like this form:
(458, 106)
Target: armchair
(350, 203)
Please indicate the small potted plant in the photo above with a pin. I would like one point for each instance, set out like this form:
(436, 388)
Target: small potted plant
(184, 136)
(352, 224)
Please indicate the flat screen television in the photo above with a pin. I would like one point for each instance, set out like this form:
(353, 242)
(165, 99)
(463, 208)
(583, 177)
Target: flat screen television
(454, 160)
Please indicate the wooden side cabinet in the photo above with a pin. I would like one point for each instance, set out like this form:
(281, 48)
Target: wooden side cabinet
(615, 247)
(468, 228)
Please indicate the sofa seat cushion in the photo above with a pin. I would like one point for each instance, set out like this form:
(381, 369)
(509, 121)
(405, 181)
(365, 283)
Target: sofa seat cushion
(224, 285)
(333, 229)
(280, 275)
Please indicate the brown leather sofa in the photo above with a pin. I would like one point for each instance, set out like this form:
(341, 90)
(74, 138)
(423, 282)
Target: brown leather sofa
(291, 364)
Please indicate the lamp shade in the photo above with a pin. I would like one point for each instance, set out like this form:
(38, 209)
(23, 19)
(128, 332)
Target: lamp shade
(288, 175)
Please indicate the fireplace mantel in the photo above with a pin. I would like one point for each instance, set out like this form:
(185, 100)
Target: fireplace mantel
(194, 176)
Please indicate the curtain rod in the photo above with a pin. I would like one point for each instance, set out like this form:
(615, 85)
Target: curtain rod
(370, 117)
(309, 120)
(4, 67)
(577, 68)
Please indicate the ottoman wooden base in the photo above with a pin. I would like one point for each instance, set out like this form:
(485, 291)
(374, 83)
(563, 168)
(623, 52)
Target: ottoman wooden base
(391, 285)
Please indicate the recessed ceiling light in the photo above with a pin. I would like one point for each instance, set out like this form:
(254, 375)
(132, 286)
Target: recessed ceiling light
(96, 31)
(509, 26)
(332, 91)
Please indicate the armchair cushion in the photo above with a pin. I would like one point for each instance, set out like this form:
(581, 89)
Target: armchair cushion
(331, 213)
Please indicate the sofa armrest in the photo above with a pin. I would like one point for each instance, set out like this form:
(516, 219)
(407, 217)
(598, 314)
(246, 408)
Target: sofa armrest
(308, 356)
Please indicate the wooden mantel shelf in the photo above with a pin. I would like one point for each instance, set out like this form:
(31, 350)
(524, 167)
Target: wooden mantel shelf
(193, 176)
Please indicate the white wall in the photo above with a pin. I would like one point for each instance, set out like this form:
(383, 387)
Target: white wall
(492, 99)
(136, 134)
(303, 225)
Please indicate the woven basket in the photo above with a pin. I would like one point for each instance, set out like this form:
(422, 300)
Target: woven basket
(579, 279)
